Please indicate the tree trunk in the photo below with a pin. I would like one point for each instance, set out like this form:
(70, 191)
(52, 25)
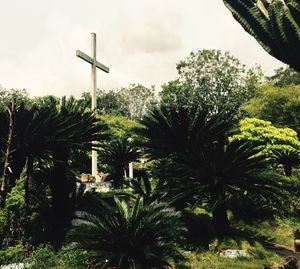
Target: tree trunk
(29, 178)
(4, 183)
(287, 170)
(61, 202)
(28, 192)
(220, 220)
(118, 177)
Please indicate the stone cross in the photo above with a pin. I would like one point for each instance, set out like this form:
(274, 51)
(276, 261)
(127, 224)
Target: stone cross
(95, 64)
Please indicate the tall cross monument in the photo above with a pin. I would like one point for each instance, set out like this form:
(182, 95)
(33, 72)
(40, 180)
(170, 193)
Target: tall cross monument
(94, 64)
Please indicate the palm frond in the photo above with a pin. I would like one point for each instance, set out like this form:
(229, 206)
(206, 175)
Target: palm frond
(274, 24)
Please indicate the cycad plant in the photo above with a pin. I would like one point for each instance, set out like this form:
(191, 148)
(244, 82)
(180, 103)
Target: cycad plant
(234, 173)
(117, 154)
(79, 128)
(157, 190)
(129, 236)
(32, 131)
(216, 172)
(275, 24)
(287, 157)
(174, 131)
(43, 134)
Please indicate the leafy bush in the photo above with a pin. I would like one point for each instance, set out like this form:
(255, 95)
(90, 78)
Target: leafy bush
(74, 258)
(12, 216)
(12, 254)
(42, 257)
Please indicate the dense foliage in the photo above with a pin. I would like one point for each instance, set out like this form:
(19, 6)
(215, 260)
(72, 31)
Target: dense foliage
(218, 172)
(117, 154)
(284, 77)
(205, 177)
(280, 145)
(213, 79)
(41, 142)
(131, 102)
(281, 106)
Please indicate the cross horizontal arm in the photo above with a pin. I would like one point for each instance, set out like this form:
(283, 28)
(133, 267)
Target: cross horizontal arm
(88, 59)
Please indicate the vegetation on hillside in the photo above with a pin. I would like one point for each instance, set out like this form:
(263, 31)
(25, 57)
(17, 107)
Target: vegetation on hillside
(216, 160)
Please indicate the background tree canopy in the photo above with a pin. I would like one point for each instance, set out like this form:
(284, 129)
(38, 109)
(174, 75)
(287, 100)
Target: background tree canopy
(281, 106)
(190, 152)
(212, 79)
(6, 97)
(284, 77)
(131, 102)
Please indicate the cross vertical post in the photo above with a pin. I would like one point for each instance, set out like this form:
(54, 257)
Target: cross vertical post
(94, 98)
(94, 64)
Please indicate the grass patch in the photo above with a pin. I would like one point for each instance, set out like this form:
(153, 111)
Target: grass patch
(280, 231)
(198, 256)
(210, 260)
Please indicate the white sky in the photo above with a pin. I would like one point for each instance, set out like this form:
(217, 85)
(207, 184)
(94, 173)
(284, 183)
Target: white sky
(140, 40)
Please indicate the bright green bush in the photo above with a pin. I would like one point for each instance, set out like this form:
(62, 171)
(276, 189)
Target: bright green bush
(13, 215)
(42, 257)
(280, 145)
(12, 254)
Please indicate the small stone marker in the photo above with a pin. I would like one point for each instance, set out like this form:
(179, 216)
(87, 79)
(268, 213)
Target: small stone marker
(15, 266)
(234, 253)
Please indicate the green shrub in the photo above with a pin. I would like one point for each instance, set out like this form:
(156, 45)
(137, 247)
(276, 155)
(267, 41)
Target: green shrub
(74, 258)
(13, 215)
(12, 254)
(42, 257)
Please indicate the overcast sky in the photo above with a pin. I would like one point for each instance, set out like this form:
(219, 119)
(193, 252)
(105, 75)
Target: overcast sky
(140, 40)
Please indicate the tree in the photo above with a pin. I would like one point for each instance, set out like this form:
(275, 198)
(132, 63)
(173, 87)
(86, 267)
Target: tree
(281, 106)
(175, 93)
(136, 100)
(131, 102)
(117, 154)
(32, 128)
(280, 145)
(151, 190)
(212, 79)
(21, 96)
(216, 171)
(4, 180)
(46, 135)
(274, 24)
(120, 126)
(80, 128)
(284, 77)
(129, 236)
(13, 215)
(234, 174)
(45, 101)
(287, 157)
(107, 102)
(174, 131)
